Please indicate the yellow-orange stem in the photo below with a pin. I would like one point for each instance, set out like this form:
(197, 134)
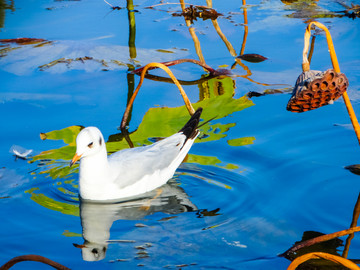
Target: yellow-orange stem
(168, 71)
(321, 255)
(336, 67)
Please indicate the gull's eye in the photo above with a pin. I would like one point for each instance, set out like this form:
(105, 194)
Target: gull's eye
(95, 252)
(90, 145)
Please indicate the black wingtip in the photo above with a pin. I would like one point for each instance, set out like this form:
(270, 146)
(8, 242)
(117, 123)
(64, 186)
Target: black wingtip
(190, 128)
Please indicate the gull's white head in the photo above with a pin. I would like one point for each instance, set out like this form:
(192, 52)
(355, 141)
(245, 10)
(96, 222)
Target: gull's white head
(92, 252)
(89, 142)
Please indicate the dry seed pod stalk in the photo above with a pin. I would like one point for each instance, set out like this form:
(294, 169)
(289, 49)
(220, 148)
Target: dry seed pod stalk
(314, 89)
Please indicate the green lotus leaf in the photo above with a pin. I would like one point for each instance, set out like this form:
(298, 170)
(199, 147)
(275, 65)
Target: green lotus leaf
(68, 135)
(62, 153)
(217, 102)
(71, 234)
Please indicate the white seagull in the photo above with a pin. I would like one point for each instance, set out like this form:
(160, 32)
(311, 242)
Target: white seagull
(129, 172)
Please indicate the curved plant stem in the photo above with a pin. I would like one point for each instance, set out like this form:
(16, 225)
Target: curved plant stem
(168, 71)
(180, 61)
(248, 73)
(306, 65)
(320, 239)
(182, 82)
(34, 258)
(352, 115)
(321, 255)
(336, 67)
(246, 30)
(223, 37)
(355, 218)
(193, 36)
(311, 49)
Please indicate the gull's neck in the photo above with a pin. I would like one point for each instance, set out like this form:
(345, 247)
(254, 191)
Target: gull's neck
(94, 174)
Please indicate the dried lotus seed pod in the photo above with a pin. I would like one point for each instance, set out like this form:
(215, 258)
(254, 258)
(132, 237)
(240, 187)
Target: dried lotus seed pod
(314, 89)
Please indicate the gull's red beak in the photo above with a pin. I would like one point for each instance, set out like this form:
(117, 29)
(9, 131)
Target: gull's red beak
(75, 158)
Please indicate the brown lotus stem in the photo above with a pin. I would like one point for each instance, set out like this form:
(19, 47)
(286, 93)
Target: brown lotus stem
(182, 82)
(196, 42)
(168, 71)
(179, 61)
(321, 255)
(336, 67)
(352, 115)
(248, 73)
(162, 4)
(34, 258)
(320, 239)
(311, 52)
(306, 65)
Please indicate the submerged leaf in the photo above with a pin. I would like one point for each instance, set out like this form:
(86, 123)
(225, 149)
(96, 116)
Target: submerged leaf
(355, 169)
(252, 57)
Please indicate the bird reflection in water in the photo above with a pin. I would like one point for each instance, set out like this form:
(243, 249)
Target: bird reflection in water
(97, 218)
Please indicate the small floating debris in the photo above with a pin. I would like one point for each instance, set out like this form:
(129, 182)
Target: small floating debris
(167, 218)
(121, 241)
(119, 260)
(20, 152)
(351, 12)
(23, 41)
(140, 225)
(144, 246)
(113, 7)
(314, 89)
(193, 12)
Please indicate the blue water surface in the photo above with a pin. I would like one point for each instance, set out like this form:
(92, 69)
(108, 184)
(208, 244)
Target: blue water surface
(230, 205)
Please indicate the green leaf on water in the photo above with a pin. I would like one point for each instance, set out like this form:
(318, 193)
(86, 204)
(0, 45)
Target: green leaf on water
(218, 102)
(68, 135)
(71, 234)
(241, 141)
(216, 105)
